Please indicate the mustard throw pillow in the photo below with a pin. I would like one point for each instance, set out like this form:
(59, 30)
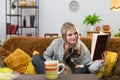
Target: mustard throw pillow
(18, 60)
(106, 70)
(111, 59)
(35, 52)
(30, 68)
(100, 73)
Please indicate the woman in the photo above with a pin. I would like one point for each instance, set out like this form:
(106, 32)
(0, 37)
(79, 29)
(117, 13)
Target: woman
(70, 50)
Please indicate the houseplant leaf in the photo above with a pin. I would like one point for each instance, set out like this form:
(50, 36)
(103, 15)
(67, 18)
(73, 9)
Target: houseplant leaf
(12, 4)
(91, 19)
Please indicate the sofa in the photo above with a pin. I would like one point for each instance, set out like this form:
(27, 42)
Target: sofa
(30, 44)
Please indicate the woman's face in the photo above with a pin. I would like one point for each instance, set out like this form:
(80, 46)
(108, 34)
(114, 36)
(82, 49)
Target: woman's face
(71, 36)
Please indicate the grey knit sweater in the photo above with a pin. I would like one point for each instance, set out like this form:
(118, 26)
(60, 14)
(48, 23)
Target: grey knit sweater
(56, 51)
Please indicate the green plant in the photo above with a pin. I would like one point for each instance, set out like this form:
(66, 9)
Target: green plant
(117, 34)
(12, 4)
(91, 19)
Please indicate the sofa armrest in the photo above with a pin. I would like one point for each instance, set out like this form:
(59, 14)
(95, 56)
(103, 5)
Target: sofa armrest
(2, 64)
(4, 52)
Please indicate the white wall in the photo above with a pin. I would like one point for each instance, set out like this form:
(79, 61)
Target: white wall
(2, 20)
(53, 13)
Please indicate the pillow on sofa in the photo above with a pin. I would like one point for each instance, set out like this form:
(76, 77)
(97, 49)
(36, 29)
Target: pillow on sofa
(30, 68)
(106, 70)
(111, 59)
(18, 60)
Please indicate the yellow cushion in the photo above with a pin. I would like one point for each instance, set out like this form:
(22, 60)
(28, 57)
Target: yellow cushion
(106, 70)
(30, 67)
(18, 60)
(35, 52)
(111, 60)
(100, 73)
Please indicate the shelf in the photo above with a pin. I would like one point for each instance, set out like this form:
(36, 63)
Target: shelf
(90, 33)
(28, 27)
(17, 18)
(28, 7)
(13, 15)
(14, 34)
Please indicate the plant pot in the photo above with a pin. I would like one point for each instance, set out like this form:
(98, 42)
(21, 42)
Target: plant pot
(91, 28)
(13, 11)
(106, 27)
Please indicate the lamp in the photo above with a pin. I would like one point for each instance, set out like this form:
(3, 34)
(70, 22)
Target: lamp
(115, 5)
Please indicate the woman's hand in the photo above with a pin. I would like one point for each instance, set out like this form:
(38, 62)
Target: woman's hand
(103, 58)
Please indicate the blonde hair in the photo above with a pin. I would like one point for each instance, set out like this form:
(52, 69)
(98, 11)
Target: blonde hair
(67, 26)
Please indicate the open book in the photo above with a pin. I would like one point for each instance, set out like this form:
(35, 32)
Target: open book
(99, 45)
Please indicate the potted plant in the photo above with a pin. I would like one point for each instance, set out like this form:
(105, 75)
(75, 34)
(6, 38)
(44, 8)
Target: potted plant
(13, 5)
(117, 34)
(91, 19)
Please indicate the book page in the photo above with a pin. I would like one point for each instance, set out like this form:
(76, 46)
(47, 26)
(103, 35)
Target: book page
(94, 39)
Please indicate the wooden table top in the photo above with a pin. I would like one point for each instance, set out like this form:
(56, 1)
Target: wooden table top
(61, 77)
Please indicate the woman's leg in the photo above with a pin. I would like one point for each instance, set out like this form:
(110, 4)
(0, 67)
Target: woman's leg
(83, 70)
(38, 62)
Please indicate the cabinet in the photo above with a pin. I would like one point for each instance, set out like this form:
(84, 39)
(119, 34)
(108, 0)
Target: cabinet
(90, 33)
(15, 21)
(12, 19)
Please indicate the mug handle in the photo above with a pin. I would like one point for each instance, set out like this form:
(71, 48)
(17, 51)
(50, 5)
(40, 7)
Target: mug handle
(63, 67)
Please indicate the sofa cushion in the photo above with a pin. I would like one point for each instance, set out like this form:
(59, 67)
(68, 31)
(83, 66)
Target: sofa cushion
(100, 73)
(111, 59)
(106, 70)
(30, 68)
(17, 60)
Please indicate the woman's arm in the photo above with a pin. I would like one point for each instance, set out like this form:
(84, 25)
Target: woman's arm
(49, 51)
(86, 59)
(95, 66)
(55, 50)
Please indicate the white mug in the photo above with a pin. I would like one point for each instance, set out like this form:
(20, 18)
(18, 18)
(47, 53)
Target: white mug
(52, 69)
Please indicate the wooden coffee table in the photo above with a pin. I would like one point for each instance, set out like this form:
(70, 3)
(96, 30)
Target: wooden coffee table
(61, 77)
